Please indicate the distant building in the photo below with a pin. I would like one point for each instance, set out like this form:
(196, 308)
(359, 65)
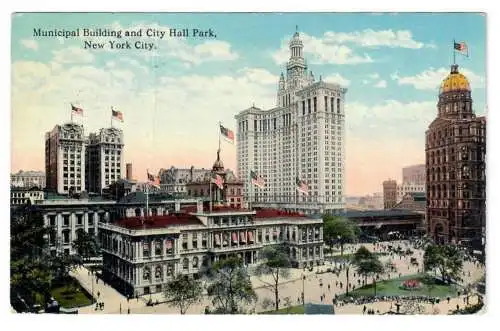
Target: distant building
(390, 190)
(174, 180)
(408, 187)
(232, 195)
(22, 195)
(65, 159)
(414, 174)
(129, 175)
(28, 179)
(455, 153)
(104, 159)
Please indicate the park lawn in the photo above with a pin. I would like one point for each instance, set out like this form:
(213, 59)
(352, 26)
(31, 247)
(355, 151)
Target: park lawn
(295, 310)
(70, 294)
(392, 287)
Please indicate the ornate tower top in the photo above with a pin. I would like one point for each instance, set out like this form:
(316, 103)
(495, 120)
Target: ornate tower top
(218, 165)
(455, 81)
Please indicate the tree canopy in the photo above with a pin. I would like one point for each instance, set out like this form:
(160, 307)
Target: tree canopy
(339, 230)
(447, 259)
(368, 264)
(85, 244)
(276, 263)
(182, 292)
(230, 286)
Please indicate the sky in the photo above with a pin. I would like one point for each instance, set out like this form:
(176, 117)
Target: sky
(174, 95)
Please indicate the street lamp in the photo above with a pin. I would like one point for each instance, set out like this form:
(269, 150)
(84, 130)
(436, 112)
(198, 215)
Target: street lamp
(303, 290)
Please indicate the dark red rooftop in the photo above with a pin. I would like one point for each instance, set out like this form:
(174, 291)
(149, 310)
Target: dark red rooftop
(275, 213)
(154, 222)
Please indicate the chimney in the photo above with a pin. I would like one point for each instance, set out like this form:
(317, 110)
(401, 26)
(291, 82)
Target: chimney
(129, 171)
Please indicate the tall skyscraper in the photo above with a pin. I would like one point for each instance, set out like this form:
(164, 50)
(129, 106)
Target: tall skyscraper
(104, 158)
(455, 160)
(65, 159)
(302, 137)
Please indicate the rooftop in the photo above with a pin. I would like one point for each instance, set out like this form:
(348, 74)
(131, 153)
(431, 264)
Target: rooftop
(154, 222)
(275, 213)
(140, 197)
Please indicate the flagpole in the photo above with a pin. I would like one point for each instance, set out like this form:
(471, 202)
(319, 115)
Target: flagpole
(111, 119)
(71, 113)
(454, 52)
(210, 189)
(219, 134)
(147, 195)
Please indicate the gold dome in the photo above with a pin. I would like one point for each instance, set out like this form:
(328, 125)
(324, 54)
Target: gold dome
(455, 81)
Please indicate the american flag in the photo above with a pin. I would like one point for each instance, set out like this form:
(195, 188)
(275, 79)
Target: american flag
(461, 47)
(257, 180)
(116, 114)
(302, 186)
(228, 134)
(217, 180)
(76, 110)
(153, 180)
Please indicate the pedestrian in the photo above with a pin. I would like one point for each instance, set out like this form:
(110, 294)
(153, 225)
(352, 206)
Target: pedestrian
(364, 309)
(336, 283)
(120, 307)
(321, 298)
(137, 297)
(458, 307)
(448, 298)
(128, 310)
(328, 287)
(98, 294)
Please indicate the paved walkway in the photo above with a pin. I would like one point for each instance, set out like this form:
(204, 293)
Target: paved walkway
(291, 288)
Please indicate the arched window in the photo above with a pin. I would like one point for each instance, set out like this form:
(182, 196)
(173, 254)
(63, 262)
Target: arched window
(158, 248)
(146, 273)
(137, 212)
(185, 263)
(154, 211)
(195, 262)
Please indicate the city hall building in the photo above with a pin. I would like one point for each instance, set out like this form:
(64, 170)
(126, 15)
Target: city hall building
(303, 136)
(142, 250)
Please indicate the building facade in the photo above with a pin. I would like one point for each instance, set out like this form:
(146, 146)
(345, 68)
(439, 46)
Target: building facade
(139, 257)
(303, 136)
(455, 153)
(174, 180)
(21, 196)
(28, 179)
(65, 159)
(407, 188)
(414, 174)
(104, 159)
(232, 193)
(390, 192)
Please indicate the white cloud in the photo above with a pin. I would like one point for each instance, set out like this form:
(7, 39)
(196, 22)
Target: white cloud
(73, 55)
(30, 44)
(365, 81)
(431, 78)
(372, 38)
(381, 84)
(338, 79)
(185, 109)
(374, 76)
(321, 51)
(205, 52)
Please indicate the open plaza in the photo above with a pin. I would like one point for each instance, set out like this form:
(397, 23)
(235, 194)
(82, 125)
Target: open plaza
(319, 287)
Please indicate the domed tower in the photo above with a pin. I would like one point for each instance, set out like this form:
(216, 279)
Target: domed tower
(296, 69)
(455, 166)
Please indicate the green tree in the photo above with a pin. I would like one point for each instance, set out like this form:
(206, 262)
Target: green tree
(368, 264)
(276, 263)
(339, 230)
(182, 292)
(447, 259)
(230, 286)
(85, 245)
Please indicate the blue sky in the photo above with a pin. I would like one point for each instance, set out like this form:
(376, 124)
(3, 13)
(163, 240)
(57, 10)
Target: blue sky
(392, 65)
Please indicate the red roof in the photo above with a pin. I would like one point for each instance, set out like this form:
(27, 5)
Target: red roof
(275, 213)
(158, 221)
